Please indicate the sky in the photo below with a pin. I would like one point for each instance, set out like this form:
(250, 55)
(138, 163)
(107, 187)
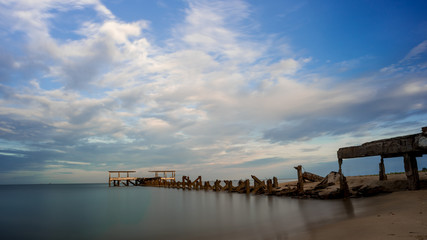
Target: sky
(221, 89)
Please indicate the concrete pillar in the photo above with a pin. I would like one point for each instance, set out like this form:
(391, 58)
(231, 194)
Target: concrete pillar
(343, 181)
(300, 184)
(382, 174)
(411, 170)
(275, 182)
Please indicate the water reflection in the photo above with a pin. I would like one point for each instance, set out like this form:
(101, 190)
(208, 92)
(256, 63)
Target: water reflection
(216, 215)
(99, 212)
(313, 215)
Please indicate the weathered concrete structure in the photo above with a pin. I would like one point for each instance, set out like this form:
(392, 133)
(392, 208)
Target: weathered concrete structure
(409, 147)
(300, 184)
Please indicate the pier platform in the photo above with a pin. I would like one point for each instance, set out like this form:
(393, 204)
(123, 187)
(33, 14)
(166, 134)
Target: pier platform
(117, 180)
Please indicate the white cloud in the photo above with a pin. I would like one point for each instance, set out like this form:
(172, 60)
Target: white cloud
(213, 95)
(73, 162)
(414, 61)
(416, 51)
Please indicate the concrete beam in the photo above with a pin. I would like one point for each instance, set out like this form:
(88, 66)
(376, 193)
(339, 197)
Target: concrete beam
(415, 144)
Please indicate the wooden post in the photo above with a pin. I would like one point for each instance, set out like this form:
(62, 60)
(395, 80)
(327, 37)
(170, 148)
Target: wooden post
(109, 179)
(300, 184)
(183, 182)
(189, 183)
(240, 186)
(269, 186)
(197, 184)
(208, 186)
(247, 186)
(230, 186)
(383, 176)
(215, 188)
(259, 186)
(411, 170)
(275, 182)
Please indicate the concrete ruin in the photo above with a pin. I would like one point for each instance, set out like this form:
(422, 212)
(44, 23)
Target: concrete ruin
(409, 147)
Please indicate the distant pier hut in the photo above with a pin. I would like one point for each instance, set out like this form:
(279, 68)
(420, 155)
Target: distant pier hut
(166, 175)
(118, 179)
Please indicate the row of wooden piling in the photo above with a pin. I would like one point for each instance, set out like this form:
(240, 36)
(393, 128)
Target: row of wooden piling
(271, 186)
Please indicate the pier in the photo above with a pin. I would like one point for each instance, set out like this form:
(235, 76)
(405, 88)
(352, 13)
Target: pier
(165, 174)
(334, 185)
(268, 187)
(117, 180)
(409, 147)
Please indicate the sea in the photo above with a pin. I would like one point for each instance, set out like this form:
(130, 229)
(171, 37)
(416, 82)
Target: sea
(96, 211)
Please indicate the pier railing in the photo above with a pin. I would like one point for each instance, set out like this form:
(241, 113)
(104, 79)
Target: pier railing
(117, 180)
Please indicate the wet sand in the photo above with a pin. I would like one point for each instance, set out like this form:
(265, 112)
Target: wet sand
(398, 215)
(401, 214)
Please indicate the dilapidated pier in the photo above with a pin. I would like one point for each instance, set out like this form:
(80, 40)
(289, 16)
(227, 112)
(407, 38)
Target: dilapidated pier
(409, 147)
(270, 186)
(117, 180)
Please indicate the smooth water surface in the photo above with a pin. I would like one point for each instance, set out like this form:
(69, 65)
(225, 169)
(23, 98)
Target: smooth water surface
(95, 211)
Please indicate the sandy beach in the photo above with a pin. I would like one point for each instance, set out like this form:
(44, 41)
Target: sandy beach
(394, 182)
(401, 214)
(398, 215)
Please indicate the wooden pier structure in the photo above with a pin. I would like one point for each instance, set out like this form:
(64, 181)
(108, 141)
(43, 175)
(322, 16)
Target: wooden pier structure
(409, 147)
(269, 187)
(117, 180)
(166, 177)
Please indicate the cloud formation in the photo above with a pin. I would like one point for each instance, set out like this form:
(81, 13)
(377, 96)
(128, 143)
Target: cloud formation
(109, 96)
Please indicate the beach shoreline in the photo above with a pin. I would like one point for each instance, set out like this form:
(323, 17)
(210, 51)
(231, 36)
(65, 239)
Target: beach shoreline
(397, 215)
(358, 186)
(392, 213)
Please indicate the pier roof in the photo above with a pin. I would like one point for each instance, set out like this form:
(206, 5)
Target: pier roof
(162, 171)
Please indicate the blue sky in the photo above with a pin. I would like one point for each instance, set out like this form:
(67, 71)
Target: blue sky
(222, 89)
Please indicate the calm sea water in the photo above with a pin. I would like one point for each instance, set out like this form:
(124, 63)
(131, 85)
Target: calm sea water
(95, 211)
